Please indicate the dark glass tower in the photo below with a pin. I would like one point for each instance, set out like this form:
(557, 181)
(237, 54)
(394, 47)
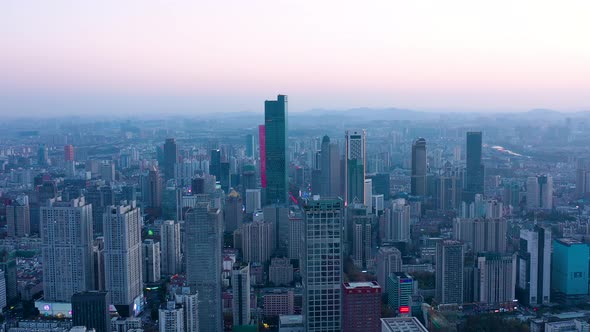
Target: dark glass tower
(474, 171)
(356, 180)
(224, 176)
(91, 309)
(418, 181)
(170, 157)
(275, 122)
(215, 164)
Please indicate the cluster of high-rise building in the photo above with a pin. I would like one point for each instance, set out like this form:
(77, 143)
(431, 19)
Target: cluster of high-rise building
(277, 229)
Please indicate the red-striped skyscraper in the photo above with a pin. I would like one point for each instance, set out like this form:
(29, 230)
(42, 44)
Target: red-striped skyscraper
(69, 152)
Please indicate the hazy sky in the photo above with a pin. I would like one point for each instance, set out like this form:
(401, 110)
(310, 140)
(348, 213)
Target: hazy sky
(200, 56)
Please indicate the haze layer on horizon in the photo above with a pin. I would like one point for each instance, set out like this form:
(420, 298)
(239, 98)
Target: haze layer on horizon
(209, 56)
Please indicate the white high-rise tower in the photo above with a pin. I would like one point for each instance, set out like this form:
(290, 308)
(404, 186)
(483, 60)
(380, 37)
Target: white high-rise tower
(122, 257)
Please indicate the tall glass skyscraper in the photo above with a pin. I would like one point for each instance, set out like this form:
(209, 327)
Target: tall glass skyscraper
(215, 164)
(569, 271)
(275, 123)
(475, 171)
(262, 150)
(355, 164)
(418, 181)
(170, 157)
(322, 265)
(203, 243)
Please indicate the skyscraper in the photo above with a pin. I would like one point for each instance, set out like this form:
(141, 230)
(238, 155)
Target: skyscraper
(449, 272)
(66, 248)
(171, 158)
(2, 290)
(18, 217)
(532, 193)
(275, 124)
(257, 241)
(98, 260)
(534, 265)
(280, 271)
(278, 216)
(150, 251)
(203, 243)
(361, 307)
(100, 197)
(248, 178)
(69, 152)
(91, 309)
(355, 165)
(368, 195)
(233, 214)
(296, 226)
(474, 174)
(418, 180)
(170, 263)
(262, 143)
(153, 193)
(172, 202)
(539, 194)
(253, 200)
(546, 192)
(325, 167)
(190, 306)
(483, 235)
(8, 265)
(122, 256)
(582, 177)
(107, 172)
(569, 271)
(495, 278)
(381, 184)
(249, 145)
(322, 265)
(224, 177)
(397, 221)
(362, 243)
(215, 164)
(400, 287)
(388, 261)
(330, 169)
(240, 283)
(447, 189)
(42, 155)
(171, 317)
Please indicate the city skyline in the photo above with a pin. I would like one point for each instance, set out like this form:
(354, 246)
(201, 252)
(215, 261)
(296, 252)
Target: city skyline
(188, 57)
(430, 172)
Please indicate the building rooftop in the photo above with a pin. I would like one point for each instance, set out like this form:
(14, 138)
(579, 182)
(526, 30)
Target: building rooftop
(362, 284)
(568, 241)
(402, 324)
(290, 320)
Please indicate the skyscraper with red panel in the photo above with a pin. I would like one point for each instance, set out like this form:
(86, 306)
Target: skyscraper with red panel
(361, 309)
(262, 145)
(69, 152)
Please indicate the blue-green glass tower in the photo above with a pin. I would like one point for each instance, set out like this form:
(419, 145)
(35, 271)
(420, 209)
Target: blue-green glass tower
(569, 271)
(275, 121)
